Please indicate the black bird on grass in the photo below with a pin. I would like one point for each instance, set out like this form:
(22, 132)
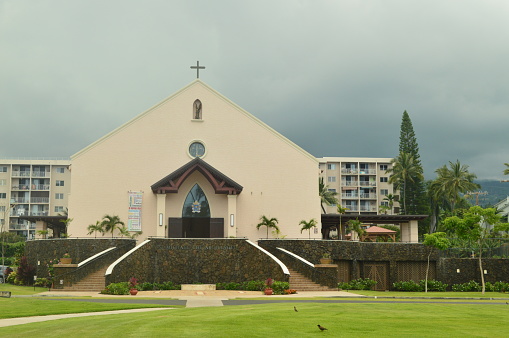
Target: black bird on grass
(295, 309)
(321, 327)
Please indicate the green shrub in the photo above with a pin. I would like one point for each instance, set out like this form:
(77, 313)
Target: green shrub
(253, 285)
(434, 285)
(358, 284)
(11, 278)
(471, 286)
(228, 286)
(121, 288)
(43, 282)
(145, 286)
(279, 287)
(170, 286)
(410, 286)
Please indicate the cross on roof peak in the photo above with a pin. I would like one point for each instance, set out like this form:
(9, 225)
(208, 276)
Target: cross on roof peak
(197, 67)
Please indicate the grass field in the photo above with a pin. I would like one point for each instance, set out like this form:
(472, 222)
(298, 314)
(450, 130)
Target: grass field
(21, 290)
(26, 307)
(280, 320)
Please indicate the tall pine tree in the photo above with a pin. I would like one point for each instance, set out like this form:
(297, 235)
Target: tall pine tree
(416, 201)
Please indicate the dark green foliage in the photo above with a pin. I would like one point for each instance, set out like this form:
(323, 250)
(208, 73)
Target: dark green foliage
(471, 286)
(26, 272)
(407, 286)
(497, 287)
(43, 282)
(358, 284)
(121, 288)
(280, 287)
(411, 286)
(253, 285)
(228, 286)
(415, 192)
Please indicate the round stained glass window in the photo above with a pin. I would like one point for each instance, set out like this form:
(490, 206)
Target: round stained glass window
(196, 149)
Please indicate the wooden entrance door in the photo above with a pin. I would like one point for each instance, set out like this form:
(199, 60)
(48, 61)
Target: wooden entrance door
(379, 272)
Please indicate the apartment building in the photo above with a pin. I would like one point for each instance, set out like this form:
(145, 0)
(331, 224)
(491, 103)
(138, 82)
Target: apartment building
(361, 184)
(32, 188)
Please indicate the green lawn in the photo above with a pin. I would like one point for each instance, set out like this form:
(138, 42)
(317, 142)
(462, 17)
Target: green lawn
(21, 290)
(432, 294)
(26, 307)
(280, 320)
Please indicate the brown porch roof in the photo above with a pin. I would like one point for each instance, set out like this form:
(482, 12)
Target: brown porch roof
(222, 184)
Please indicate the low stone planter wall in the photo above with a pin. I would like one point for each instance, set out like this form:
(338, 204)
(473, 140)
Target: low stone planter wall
(192, 261)
(40, 252)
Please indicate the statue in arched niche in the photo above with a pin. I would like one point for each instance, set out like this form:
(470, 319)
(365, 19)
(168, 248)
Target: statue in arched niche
(197, 108)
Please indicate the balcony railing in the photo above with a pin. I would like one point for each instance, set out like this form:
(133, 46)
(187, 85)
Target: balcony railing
(349, 171)
(369, 196)
(40, 173)
(352, 208)
(21, 174)
(351, 196)
(40, 186)
(367, 183)
(39, 200)
(367, 171)
(19, 200)
(18, 227)
(349, 183)
(368, 208)
(38, 213)
(21, 187)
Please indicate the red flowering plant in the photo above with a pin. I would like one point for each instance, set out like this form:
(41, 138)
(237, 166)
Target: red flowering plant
(132, 283)
(268, 283)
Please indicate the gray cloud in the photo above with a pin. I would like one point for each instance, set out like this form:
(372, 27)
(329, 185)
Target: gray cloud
(333, 76)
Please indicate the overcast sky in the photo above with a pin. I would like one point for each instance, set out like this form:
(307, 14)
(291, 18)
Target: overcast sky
(332, 76)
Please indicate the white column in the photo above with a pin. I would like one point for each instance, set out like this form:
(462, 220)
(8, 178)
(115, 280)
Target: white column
(231, 221)
(161, 221)
(410, 232)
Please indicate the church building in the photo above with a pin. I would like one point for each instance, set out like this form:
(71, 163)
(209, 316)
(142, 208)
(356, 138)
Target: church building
(195, 165)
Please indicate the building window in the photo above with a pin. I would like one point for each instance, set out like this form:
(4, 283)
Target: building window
(385, 204)
(331, 166)
(3, 195)
(197, 109)
(384, 192)
(2, 208)
(60, 183)
(59, 196)
(384, 166)
(331, 179)
(332, 190)
(59, 209)
(3, 169)
(3, 182)
(60, 170)
(383, 179)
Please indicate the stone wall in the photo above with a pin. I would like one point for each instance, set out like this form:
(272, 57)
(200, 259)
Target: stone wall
(188, 261)
(40, 252)
(394, 255)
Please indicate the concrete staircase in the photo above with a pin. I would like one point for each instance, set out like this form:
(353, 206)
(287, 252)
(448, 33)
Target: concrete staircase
(93, 282)
(300, 282)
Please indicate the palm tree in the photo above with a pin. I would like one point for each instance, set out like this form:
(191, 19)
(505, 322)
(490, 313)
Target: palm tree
(452, 181)
(269, 223)
(506, 170)
(110, 223)
(404, 170)
(308, 225)
(356, 225)
(341, 211)
(95, 228)
(326, 196)
(390, 198)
